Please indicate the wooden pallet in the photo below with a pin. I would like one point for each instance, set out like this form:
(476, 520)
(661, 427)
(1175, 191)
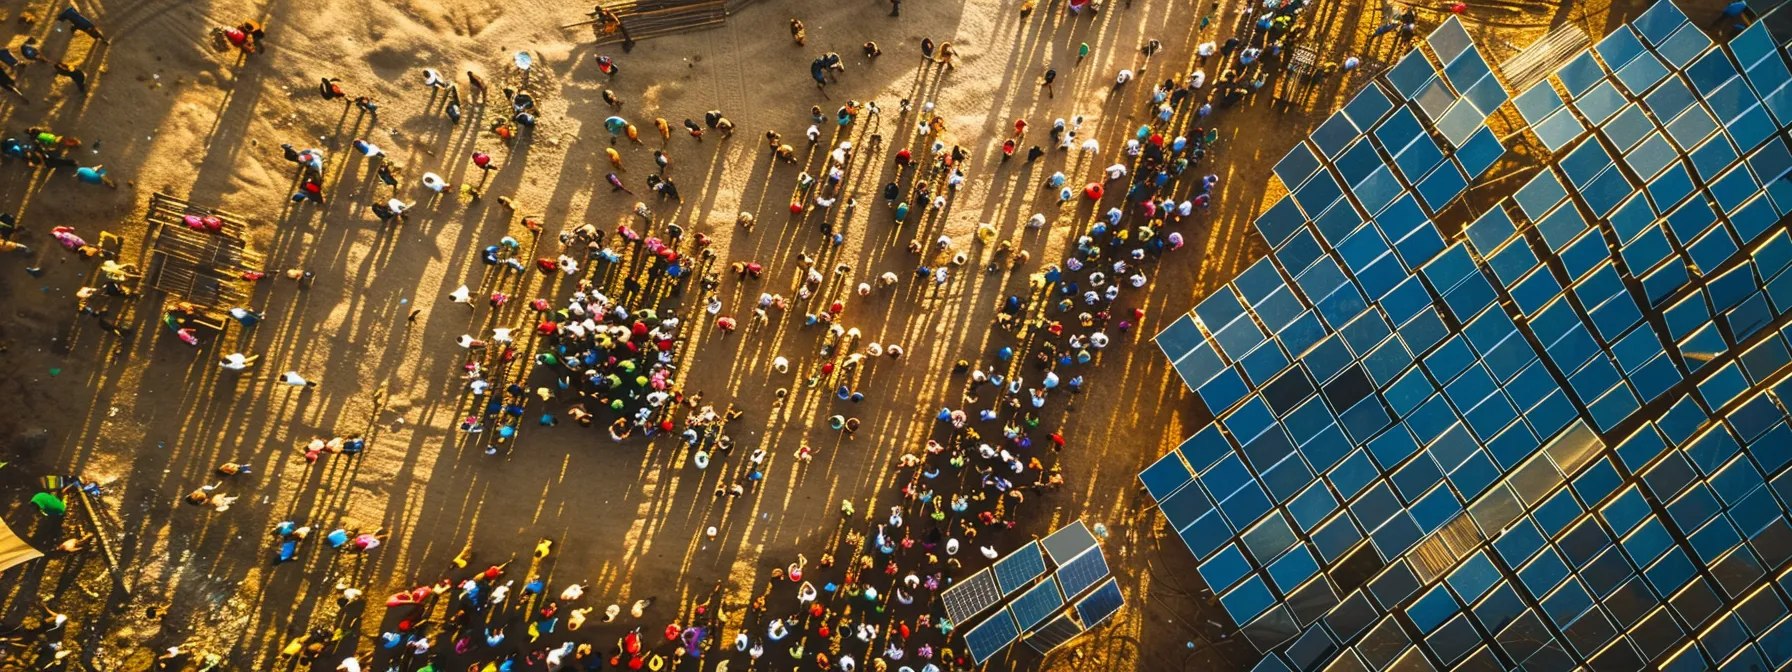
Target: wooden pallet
(655, 18)
(200, 268)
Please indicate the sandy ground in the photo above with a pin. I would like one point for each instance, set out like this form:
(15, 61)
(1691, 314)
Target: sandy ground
(150, 417)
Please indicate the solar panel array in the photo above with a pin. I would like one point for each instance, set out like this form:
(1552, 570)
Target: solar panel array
(1043, 613)
(1552, 440)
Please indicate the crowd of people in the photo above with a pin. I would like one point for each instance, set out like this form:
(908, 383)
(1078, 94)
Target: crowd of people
(603, 344)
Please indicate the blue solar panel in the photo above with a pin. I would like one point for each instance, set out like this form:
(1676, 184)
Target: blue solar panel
(1037, 604)
(1558, 129)
(1538, 102)
(1165, 476)
(1101, 604)
(988, 638)
(1082, 572)
(1659, 21)
(1368, 107)
(1411, 74)
(1014, 570)
(1300, 164)
(1421, 401)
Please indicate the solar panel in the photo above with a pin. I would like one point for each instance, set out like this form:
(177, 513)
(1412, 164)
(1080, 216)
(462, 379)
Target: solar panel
(1016, 569)
(1037, 604)
(1071, 540)
(1054, 633)
(1084, 571)
(1101, 604)
(991, 636)
(969, 597)
(1507, 416)
(1449, 40)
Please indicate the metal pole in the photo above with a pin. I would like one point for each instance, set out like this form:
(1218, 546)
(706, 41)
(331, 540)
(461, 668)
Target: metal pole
(99, 536)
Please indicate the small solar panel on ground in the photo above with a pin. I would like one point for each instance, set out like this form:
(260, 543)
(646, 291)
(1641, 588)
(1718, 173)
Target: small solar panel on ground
(1101, 604)
(1037, 604)
(1077, 575)
(1016, 569)
(991, 636)
(1054, 633)
(1070, 541)
(969, 597)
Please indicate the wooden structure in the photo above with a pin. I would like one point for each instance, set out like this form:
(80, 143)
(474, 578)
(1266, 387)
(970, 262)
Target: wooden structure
(653, 18)
(200, 268)
(1542, 57)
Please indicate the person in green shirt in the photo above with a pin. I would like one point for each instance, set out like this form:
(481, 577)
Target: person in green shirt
(49, 504)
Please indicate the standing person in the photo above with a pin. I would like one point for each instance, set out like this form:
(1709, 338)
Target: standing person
(895, 7)
(478, 84)
(947, 53)
(79, 23)
(294, 379)
(367, 105)
(1051, 75)
(797, 31)
(79, 77)
(927, 48)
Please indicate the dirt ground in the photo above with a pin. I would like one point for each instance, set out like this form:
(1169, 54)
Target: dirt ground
(149, 417)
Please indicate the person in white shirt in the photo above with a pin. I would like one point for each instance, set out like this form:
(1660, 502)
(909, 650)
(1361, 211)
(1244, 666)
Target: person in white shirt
(294, 379)
(237, 361)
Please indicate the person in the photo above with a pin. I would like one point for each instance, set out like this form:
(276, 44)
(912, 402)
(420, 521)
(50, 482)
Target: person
(895, 7)
(237, 361)
(871, 50)
(797, 31)
(79, 23)
(30, 51)
(1051, 75)
(329, 89)
(294, 379)
(6, 82)
(79, 77)
(607, 65)
(433, 79)
(947, 53)
(94, 175)
(246, 317)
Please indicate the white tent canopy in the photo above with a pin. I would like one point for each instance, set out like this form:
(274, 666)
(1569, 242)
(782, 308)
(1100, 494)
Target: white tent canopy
(13, 550)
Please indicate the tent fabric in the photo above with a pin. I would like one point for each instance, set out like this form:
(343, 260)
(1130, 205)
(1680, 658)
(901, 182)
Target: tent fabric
(13, 550)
